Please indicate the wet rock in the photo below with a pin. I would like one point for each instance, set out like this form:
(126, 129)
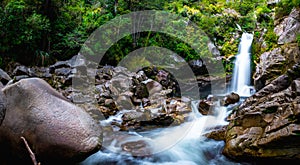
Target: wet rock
(137, 148)
(56, 130)
(232, 98)
(217, 133)
(205, 107)
(4, 77)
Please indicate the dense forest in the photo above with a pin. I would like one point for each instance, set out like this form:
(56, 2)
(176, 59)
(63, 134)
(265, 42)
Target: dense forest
(40, 32)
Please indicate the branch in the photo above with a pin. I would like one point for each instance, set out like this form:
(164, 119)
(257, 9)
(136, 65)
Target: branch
(30, 152)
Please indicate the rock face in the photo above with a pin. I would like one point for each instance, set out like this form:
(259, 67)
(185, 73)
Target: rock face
(274, 63)
(288, 29)
(267, 125)
(56, 130)
(280, 59)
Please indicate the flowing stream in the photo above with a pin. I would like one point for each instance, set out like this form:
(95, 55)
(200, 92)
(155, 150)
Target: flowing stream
(183, 144)
(191, 149)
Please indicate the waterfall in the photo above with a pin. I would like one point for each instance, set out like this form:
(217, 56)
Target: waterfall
(242, 67)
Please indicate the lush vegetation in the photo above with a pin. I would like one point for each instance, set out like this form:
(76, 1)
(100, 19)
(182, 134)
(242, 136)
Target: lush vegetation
(38, 32)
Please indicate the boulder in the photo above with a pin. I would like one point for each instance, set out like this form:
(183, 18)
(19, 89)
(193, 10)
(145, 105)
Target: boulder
(230, 99)
(56, 130)
(153, 87)
(217, 134)
(204, 107)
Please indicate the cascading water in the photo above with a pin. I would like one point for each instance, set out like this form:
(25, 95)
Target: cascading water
(192, 148)
(242, 67)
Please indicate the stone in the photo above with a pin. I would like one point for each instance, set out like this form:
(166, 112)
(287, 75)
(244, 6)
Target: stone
(295, 88)
(62, 71)
(124, 103)
(267, 125)
(20, 70)
(2, 106)
(205, 107)
(4, 77)
(217, 134)
(18, 78)
(141, 91)
(137, 148)
(153, 87)
(59, 64)
(288, 29)
(230, 99)
(269, 67)
(57, 130)
(213, 49)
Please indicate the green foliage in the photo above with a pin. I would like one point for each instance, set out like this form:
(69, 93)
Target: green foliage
(22, 30)
(284, 7)
(43, 31)
(271, 39)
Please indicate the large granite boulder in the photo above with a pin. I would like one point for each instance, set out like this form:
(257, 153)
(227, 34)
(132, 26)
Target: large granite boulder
(56, 130)
(267, 125)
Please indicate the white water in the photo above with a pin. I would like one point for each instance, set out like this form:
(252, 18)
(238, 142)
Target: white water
(191, 149)
(242, 67)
